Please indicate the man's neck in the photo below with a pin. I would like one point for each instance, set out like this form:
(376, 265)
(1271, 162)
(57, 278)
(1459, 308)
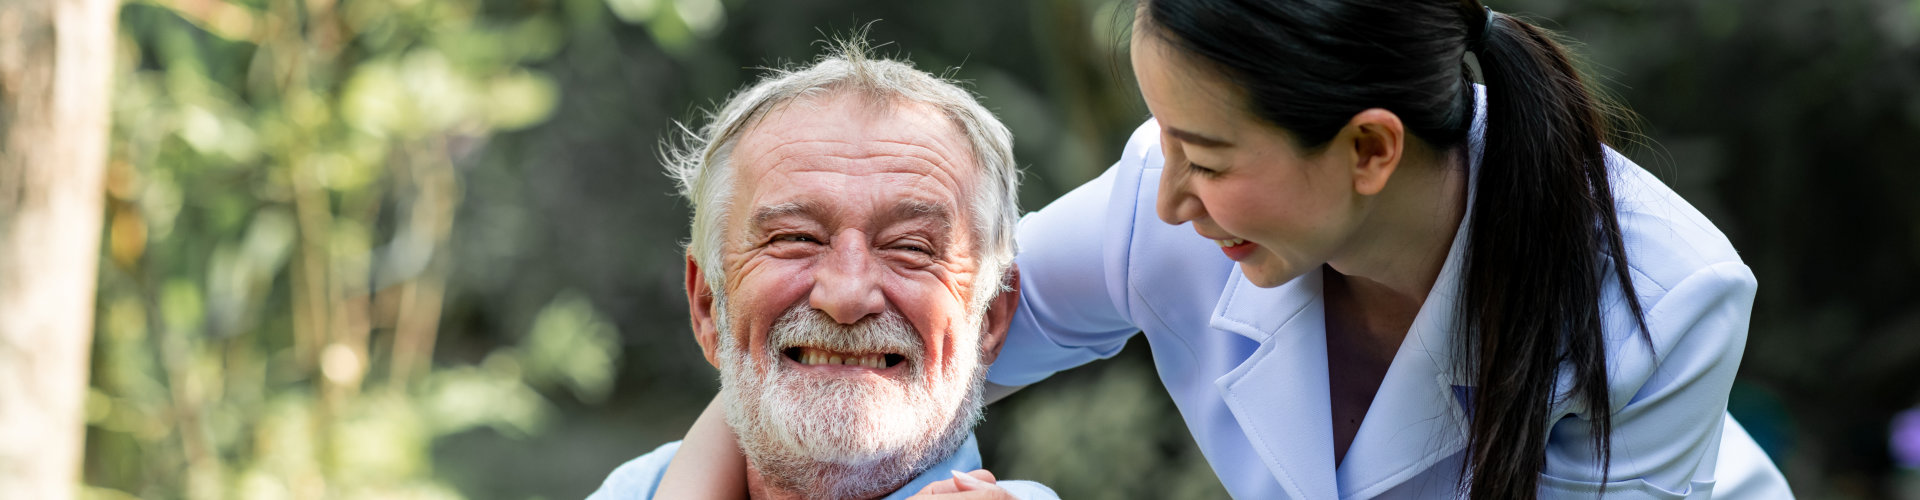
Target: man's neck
(759, 489)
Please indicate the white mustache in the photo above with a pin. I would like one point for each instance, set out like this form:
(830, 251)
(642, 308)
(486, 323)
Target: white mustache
(803, 326)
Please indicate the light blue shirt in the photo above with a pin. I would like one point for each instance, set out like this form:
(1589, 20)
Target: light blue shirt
(1247, 366)
(638, 478)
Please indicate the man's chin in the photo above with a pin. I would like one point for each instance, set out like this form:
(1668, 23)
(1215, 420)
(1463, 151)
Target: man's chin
(845, 438)
(852, 421)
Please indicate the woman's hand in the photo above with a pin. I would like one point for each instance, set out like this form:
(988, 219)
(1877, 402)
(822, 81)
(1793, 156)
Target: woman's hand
(976, 485)
(709, 464)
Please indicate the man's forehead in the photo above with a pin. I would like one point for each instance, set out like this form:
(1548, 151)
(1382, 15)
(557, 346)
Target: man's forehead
(854, 126)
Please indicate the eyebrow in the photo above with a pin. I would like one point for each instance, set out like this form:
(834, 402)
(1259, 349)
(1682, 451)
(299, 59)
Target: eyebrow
(793, 208)
(917, 209)
(905, 209)
(1197, 139)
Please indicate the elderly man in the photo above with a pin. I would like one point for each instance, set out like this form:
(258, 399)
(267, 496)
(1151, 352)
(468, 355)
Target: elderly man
(852, 237)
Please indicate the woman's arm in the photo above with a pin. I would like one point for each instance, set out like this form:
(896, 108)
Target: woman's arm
(1073, 265)
(709, 464)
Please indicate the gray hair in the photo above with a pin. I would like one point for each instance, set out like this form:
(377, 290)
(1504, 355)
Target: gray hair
(701, 162)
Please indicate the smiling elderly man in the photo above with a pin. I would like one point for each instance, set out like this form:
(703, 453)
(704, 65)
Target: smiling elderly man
(852, 237)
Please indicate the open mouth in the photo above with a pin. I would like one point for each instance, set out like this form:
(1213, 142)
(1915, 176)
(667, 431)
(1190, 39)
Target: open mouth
(1236, 248)
(811, 356)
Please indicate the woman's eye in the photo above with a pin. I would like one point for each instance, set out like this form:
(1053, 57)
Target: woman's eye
(1203, 171)
(913, 248)
(799, 238)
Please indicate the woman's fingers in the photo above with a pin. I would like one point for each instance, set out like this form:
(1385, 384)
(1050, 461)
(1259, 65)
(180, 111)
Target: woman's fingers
(940, 487)
(978, 480)
(993, 494)
(971, 487)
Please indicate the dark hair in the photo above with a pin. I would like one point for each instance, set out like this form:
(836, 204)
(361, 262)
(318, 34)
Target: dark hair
(1543, 223)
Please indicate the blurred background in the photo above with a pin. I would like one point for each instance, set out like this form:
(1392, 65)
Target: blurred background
(423, 248)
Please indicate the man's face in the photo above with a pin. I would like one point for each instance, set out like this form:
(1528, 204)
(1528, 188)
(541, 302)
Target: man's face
(846, 336)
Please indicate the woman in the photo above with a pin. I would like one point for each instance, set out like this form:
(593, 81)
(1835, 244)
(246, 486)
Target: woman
(1364, 276)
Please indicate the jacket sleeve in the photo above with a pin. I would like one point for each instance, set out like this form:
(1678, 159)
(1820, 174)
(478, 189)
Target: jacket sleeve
(1072, 274)
(1028, 490)
(1669, 396)
(638, 478)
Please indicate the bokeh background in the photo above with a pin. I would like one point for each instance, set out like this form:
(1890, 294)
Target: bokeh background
(423, 248)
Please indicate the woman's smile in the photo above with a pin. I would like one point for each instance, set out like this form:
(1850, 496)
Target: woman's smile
(1236, 248)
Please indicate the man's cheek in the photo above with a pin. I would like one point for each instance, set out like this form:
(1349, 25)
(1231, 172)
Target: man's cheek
(940, 336)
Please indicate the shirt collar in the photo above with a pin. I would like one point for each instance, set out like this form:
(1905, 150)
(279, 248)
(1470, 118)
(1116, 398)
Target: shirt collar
(964, 459)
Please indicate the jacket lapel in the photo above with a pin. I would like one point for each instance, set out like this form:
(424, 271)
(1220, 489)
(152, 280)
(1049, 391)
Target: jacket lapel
(1417, 419)
(1279, 394)
(1419, 416)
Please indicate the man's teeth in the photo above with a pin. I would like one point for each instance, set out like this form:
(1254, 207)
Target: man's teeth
(816, 357)
(1228, 243)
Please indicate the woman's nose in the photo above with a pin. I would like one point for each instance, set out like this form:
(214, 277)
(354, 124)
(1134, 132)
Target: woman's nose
(1176, 204)
(847, 285)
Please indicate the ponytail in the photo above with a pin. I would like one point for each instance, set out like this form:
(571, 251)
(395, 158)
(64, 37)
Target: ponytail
(1544, 239)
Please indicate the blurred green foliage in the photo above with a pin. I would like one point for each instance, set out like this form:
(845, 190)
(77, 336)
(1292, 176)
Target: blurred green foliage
(422, 248)
(283, 190)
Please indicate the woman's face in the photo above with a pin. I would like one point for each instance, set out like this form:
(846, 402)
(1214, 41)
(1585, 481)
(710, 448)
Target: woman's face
(1277, 210)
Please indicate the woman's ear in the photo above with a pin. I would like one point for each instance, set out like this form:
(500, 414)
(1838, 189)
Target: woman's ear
(1000, 316)
(1377, 139)
(700, 310)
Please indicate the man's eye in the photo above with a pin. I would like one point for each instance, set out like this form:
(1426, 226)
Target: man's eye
(798, 238)
(914, 245)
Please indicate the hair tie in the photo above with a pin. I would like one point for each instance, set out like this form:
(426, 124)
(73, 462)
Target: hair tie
(1477, 32)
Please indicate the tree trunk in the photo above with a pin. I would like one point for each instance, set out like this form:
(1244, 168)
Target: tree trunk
(56, 65)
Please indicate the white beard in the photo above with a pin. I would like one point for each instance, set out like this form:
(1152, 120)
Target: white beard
(846, 437)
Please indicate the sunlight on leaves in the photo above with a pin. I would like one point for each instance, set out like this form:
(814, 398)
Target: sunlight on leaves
(571, 344)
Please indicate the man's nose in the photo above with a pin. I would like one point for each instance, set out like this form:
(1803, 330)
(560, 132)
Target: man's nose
(847, 285)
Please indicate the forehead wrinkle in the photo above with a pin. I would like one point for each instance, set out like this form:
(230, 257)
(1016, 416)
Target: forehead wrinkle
(943, 144)
(851, 166)
(851, 150)
(937, 153)
(941, 130)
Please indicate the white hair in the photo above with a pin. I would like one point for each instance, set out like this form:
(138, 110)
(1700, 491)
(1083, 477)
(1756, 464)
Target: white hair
(701, 162)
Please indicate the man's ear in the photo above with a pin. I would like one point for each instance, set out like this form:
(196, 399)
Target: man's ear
(700, 310)
(1000, 316)
(1376, 139)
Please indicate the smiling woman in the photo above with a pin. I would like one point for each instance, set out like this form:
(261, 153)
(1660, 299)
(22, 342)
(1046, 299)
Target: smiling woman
(1384, 224)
